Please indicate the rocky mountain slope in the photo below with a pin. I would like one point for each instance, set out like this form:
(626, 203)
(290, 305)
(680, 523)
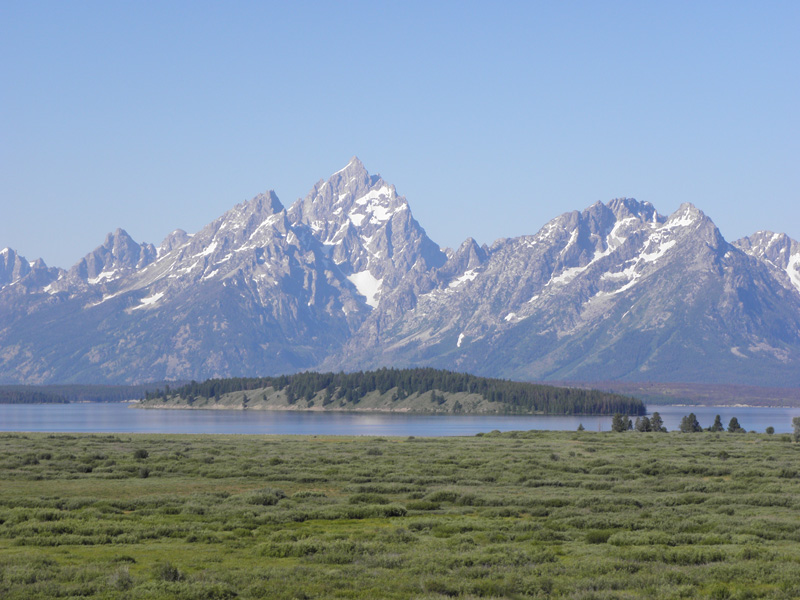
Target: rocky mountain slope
(346, 278)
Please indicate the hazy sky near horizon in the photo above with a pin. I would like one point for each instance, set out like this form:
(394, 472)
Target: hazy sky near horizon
(491, 118)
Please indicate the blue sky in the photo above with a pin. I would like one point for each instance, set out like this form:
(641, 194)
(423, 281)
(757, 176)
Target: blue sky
(491, 118)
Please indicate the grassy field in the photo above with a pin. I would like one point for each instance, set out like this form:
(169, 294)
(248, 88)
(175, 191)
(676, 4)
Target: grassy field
(514, 515)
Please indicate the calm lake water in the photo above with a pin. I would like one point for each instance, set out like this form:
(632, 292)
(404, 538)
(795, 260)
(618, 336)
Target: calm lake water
(122, 418)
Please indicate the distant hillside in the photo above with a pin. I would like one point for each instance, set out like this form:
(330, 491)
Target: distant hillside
(392, 390)
(704, 394)
(60, 394)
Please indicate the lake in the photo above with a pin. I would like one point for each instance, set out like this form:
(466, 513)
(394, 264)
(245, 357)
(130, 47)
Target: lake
(122, 418)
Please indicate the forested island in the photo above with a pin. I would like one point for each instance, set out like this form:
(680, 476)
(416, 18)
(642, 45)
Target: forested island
(422, 390)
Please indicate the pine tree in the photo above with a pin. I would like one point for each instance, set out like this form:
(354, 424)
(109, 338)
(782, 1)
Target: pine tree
(689, 424)
(717, 426)
(657, 423)
(620, 422)
(734, 427)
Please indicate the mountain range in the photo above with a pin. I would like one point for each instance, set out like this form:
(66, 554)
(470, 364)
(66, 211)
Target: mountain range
(347, 279)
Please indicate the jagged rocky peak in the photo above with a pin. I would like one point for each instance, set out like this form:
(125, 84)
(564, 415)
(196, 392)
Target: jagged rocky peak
(118, 253)
(252, 212)
(625, 208)
(125, 251)
(353, 178)
(574, 238)
(609, 225)
(240, 224)
(468, 257)
(176, 239)
(368, 231)
(777, 250)
(267, 203)
(32, 276)
(687, 214)
(690, 221)
(368, 225)
(349, 194)
(471, 253)
(12, 266)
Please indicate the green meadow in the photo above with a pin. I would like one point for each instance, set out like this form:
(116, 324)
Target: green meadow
(516, 515)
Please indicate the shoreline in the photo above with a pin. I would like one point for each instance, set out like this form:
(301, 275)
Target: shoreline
(399, 411)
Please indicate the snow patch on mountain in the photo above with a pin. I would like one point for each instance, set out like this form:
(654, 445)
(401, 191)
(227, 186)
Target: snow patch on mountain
(356, 218)
(380, 214)
(373, 195)
(375, 206)
(571, 273)
(149, 301)
(793, 270)
(655, 248)
(572, 239)
(110, 275)
(689, 216)
(105, 298)
(467, 276)
(613, 241)
(627, 273)
(269, 221)
(335, 238)
(661, 250)
(614, 235)
(209, 249)
(567, 275)
(367, 285)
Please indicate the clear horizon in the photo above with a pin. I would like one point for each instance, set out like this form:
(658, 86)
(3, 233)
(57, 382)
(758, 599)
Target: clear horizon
(491, 120)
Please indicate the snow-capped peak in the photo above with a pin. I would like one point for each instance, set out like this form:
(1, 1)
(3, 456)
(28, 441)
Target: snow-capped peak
(686, 215)
(777, 250)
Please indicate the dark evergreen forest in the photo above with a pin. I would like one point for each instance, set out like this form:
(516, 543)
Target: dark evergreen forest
(73, 392)
(29, 396)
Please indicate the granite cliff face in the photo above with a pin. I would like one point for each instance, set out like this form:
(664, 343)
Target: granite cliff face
(346, 278)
